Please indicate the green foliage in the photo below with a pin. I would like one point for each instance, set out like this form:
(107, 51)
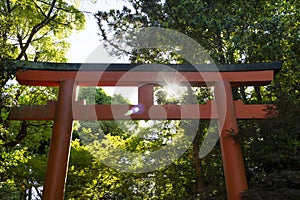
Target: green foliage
(105, 144)
(29, 30)
(35, 30)
(285, 183)
(233, 32)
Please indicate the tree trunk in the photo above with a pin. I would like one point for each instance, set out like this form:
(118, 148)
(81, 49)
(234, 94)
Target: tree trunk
(243, 94)
(258, 94)
(235, 94)
(198, 167)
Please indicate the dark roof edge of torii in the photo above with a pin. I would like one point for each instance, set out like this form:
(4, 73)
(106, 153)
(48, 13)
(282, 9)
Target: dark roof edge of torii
(26, 65)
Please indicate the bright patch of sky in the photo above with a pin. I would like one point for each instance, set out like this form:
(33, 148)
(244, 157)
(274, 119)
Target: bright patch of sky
(84, 42)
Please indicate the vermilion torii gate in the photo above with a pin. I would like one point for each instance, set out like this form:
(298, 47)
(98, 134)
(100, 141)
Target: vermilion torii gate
(66, 108)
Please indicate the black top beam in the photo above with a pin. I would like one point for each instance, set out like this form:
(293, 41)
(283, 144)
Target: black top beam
(26, 65)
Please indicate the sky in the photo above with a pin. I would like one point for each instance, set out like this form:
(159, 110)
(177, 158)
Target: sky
(86, 42)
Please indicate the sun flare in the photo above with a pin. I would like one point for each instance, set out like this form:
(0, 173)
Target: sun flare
(175, 90)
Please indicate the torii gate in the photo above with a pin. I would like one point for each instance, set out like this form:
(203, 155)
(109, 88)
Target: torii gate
(66, 77)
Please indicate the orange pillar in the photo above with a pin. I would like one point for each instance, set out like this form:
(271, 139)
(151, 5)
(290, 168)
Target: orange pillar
(146, 94)
(233, 163)
(60, 144)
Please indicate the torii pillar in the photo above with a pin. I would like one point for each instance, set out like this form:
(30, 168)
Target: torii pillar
(60, 143)
(233, 163)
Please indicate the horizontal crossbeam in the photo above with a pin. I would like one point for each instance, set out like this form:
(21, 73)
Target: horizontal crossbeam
(154, 112)
(137, 78)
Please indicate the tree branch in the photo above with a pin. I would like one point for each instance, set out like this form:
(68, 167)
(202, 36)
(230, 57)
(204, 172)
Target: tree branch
(44, 35)
(8, 6)
(21, 135)
(60, 8)
(38, 125)
(39, 8)
(36, 28)
(37, 191)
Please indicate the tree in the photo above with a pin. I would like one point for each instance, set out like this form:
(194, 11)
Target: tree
(233, 32)
(35, 31)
